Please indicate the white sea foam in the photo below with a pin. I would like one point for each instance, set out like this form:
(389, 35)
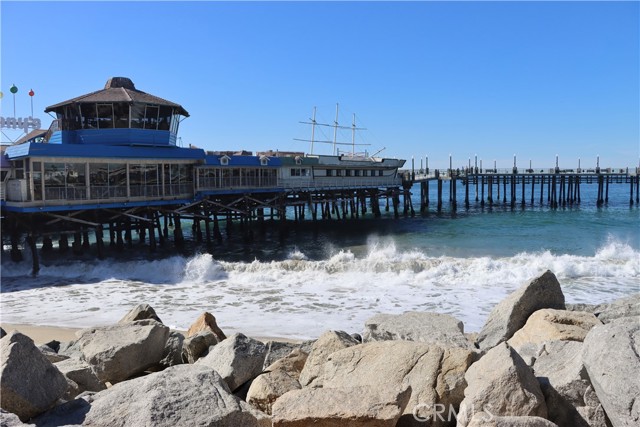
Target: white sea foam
(299, 297)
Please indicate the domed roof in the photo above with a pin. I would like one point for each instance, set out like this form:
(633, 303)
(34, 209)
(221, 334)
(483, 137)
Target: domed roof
(119, 89)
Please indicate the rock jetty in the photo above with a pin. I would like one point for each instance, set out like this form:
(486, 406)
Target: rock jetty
(536, 362)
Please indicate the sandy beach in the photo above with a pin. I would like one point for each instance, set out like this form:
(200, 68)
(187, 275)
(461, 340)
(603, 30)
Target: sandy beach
(41, 334)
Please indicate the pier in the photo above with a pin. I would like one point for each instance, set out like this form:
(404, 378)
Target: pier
(553, 187)
(109, 173)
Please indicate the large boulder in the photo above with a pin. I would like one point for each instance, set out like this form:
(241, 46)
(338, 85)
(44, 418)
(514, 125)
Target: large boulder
(611, 356)
(197, 346)
(172, 353)
(237, 359)
(182, 395)
(120, 351)
(278, 379)
(328, 343)
(348, 407)
(206, 322)
(435, 375)
(502, 384)
(432, 328)
(140, 312)
(623, 307)
(29, 383)
(81, 374)
(276, 350)
(512, 313)
(483, 419)
(570, 398)
(550, 325)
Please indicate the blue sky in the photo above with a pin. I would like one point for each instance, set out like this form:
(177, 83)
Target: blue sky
(494, 79)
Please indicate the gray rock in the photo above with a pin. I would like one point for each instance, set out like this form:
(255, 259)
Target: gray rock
(29, 383)
(7, 419)
(498, 374)
(434, 374)
(120, 351)
(351, 407)
(432, 328)
(140, 312)
(197, 346)
(624, 307)
(483, 419)
(512, 313)
(182, 395)
(237, 359)
(278, 379)
(172, 353)
(277, 350)
(82, 374)
(70, 349)
(566, 387)
(50, 354)
(2, 333)
(328, 343)
(611, 356)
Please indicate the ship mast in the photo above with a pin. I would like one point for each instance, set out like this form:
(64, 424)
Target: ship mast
(313, 127)
(335, 130)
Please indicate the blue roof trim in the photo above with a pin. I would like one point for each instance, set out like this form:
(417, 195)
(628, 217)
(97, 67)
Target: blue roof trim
(214, 160)
(105, 151)
(70, 208)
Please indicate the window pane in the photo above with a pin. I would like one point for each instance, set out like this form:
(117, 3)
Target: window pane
(76, 174)
(121, 113)
(137, 116)
(151, 118)
(105, 116)
(89, 119)
(164, 119)
(117, 174)
(98, 173)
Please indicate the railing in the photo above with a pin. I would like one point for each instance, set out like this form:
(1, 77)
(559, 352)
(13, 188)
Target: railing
(55, 126)
(145, 190)
(336, 183)
(237, 182)
(3, 186)
(449, 173)
(65, 193)
(99, 192)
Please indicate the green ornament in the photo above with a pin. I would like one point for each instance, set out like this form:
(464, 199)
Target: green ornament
(14, 89)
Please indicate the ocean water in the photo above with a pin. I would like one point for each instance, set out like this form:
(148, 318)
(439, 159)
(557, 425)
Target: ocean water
(335, 275)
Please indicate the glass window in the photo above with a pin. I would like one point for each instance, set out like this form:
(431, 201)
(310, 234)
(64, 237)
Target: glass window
(76, 174)
(89, 117)
(357, 172)
(137, 116)
(347, 172)
(136, 175)
(98, 173)
(117, 174)
(71, 119)
(121, 114)
(151, 117)
(54, 174)
(164, 118)
(105, 116)
(380, 172)
(329, 172)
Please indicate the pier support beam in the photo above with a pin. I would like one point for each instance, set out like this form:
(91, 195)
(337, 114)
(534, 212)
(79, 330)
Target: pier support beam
(31, 242)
